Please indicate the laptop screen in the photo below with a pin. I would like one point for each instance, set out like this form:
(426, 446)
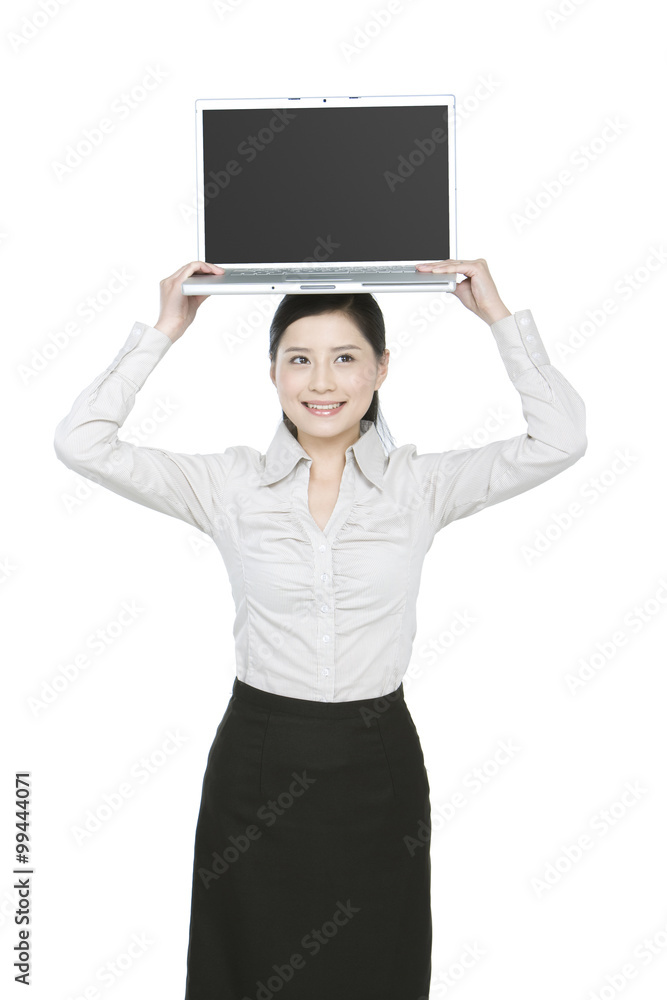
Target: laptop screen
(326, 184)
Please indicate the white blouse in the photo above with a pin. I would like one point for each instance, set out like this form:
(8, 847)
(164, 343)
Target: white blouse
(324, 615)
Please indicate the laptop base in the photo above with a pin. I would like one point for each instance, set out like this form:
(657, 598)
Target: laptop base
(278, 282)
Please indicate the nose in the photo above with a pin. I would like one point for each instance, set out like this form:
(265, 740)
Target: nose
(321, 380)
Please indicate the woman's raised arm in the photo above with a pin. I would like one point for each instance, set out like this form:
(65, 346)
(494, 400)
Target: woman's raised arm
(86, 440)
(457, 483)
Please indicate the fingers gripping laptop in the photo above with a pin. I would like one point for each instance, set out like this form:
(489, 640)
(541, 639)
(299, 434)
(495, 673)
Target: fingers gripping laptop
(312, 194)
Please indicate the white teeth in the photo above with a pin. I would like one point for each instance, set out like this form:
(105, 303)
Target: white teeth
(329, 406)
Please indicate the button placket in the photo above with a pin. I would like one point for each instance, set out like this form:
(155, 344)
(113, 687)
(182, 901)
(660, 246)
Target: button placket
(322, 592)
(323, 604)
(324, 582)
(323, 595)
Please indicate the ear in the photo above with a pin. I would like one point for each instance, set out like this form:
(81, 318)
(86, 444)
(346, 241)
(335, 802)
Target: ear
(383, 366)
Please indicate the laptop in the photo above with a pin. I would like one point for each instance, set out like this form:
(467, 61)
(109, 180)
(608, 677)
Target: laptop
(325, 194)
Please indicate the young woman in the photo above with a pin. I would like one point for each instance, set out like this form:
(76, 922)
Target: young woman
(311, 873)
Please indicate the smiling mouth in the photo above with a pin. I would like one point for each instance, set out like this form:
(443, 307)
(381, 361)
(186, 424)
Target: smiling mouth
(324, 409)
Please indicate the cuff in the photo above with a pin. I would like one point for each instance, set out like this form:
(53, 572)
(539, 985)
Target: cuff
(519, 343)
(140, 353)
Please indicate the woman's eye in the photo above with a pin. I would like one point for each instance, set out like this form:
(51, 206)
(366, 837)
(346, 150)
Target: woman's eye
(300, 357)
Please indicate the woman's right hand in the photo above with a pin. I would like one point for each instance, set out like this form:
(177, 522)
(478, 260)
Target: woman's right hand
(177, 311)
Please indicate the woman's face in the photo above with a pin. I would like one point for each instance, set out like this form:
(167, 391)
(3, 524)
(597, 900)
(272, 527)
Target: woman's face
(326, 359)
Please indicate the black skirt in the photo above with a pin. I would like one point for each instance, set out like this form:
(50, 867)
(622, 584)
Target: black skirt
(312, 872)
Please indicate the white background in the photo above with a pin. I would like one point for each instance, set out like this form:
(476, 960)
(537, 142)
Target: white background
(535, 90)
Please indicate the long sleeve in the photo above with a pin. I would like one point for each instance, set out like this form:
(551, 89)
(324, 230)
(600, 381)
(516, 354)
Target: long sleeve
(458, 483)
(86, 440)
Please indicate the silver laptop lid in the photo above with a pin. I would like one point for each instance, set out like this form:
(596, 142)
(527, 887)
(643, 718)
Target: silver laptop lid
(326, 180)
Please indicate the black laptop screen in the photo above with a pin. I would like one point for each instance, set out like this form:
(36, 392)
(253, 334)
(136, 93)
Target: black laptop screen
(326, 184)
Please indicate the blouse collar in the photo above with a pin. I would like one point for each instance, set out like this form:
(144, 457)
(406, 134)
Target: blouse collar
(285, 451)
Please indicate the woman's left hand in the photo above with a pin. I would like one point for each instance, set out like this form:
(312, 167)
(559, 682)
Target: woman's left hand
(477, 291)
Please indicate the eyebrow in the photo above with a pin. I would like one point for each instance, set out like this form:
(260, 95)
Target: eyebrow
(345, 347)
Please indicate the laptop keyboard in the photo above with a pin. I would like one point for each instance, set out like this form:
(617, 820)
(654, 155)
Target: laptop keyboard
(394, 269)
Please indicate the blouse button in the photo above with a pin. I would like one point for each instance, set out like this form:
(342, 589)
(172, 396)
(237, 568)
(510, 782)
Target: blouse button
(536, 355)
(326, 672)
(324, 577)
(322, 548)
(530, 337)
(325, 638)
(525, 320)
(325, 607)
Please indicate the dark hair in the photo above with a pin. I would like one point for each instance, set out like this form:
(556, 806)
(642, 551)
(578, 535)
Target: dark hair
(363, 310)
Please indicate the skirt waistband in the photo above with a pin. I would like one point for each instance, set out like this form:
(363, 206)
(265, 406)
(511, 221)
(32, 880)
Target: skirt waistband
(365, 707)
